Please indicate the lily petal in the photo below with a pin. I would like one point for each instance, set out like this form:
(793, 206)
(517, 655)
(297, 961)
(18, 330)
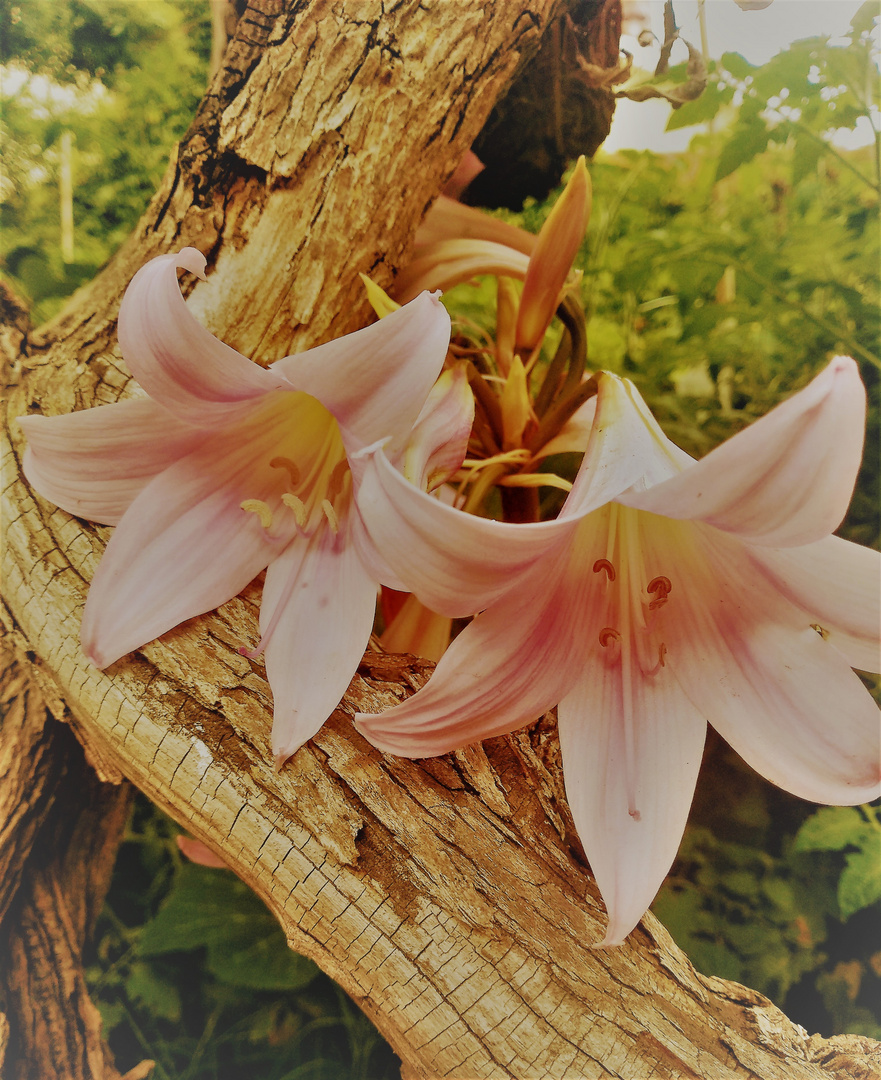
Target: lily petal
(158, 568)
(626, 449)
(417, 630)
(785, 699)
(94, 463)
(839, 585)
(629, 853)
(787, 479)
(481, 686)
(469, 167)
(176, 360)
(449, 262)
(574, 436)
(456, 563)
(448, 219)
(439, 441)
(317, 612)
(376, 380)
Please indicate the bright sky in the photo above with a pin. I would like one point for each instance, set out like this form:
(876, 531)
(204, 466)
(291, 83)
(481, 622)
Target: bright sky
(756, 35)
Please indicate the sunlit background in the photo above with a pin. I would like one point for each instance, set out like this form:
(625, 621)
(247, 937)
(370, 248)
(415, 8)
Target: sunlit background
(756, 34)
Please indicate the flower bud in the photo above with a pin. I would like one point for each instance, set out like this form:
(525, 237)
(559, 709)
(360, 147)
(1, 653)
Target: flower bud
(549, 265)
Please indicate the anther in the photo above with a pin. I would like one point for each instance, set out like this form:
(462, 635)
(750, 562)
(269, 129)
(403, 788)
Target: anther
(604, 564)
(821, 630)
(298, 507)
(286, 463)
(608, 635)
(258, 507)
(662, 586)
(330, 514)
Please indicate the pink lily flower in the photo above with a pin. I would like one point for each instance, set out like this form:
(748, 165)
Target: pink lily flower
(669, 593)
(227, 468)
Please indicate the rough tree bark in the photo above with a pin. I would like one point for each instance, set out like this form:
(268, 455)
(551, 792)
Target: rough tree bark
(449, 897)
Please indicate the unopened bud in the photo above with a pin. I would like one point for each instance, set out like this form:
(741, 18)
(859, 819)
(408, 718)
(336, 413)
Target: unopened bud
(507, 303)
(549, 266)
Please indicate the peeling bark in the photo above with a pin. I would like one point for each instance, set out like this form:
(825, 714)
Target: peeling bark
(449, 897)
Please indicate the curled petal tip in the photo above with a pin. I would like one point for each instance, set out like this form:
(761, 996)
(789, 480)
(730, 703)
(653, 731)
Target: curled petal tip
(190, 258)
(370, 451)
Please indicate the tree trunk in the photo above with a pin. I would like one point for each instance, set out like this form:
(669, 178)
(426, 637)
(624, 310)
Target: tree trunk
(59, 831)
(449, 897)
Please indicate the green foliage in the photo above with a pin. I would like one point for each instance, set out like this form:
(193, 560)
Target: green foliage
(798, 97)
(857, 832)
(124, 79)
(190, 968)
(244, 944)
(720, 297)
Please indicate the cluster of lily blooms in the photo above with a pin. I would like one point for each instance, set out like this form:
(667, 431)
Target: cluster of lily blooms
(664, 593)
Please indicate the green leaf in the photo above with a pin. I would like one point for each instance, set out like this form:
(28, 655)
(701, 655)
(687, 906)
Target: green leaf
(739, 67)
(715, 958)
(160, 998)
(214, 909)
(261, 961)
(832, 828)
(806, 154)
(864, 20)
(748, 141)
(860, 882)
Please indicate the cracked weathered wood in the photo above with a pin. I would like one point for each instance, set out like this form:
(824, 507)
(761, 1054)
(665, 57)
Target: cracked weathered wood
(448, 897)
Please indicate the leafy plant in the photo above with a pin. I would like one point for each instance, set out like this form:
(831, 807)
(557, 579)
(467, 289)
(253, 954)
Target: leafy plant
(121, 81)
(189, 968)
(856, 831)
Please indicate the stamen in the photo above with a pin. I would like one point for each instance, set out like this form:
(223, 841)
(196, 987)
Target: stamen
(604, 564)
(259, 507)
(660, 585)
(337, 478)
(608, 635)
(662, 653)
(292, 502)
(330, 514)
(286, 463)
(821, 630)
